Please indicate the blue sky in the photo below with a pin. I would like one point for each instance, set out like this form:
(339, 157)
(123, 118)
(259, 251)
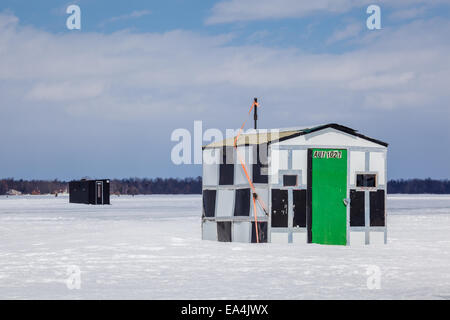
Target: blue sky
(102, 101)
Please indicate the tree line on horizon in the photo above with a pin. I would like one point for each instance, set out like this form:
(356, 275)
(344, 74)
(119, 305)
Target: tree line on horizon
(135, 186)
(131, 186)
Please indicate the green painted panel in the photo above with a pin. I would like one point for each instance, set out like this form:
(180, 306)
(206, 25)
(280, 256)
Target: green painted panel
(328, 190)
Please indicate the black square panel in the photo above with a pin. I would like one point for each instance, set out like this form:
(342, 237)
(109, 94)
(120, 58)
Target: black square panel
(209, 203)
(357, 208)
(224, 231)
(289, 180)
(242, 202)
(279, 211)
(262, 232)
(299, 208)
(377, 209)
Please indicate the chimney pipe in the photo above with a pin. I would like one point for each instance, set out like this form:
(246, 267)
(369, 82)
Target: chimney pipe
(255, 115)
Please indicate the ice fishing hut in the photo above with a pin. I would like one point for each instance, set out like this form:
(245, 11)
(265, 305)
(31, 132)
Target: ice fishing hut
(89, 191)
(323, 184)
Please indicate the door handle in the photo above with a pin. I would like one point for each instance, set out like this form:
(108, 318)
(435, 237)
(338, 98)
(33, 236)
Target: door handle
(346, 201)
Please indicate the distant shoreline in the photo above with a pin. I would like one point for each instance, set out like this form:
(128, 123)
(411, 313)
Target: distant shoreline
(170, 186)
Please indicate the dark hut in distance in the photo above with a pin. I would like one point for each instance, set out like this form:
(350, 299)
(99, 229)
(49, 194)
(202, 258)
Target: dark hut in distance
(89, 191)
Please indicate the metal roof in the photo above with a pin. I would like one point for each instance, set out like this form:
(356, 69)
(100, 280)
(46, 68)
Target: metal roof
(269, 136)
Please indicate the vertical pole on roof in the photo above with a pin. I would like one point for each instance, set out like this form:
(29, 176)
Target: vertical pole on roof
(255, 114)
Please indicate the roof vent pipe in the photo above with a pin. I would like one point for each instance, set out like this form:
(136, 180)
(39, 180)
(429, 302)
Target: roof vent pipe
(255, 114)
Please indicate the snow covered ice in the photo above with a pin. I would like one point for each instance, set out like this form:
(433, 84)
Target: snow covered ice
(150, 247)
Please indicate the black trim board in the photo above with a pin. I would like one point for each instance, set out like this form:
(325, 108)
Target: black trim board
(299, 204)
(309, 197)
(335, 126)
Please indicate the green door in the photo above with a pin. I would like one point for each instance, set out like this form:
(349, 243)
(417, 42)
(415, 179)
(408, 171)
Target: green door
(328, 186)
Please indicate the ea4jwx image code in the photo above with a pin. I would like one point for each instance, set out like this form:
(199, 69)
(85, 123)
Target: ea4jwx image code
(246, 310)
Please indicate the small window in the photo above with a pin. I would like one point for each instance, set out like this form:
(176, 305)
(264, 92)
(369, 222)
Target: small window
(366, 180)
(289, 180)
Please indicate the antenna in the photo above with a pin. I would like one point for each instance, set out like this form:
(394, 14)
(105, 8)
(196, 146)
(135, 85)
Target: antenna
(255, 115)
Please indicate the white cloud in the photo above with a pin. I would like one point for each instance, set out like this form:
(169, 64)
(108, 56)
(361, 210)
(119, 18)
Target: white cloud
(119, 95)
(132, 15)
(228, 11)
(410, 13)
(133, 75)
(63, 91)
(350, 31)
(8, 20)
(386, 100)
(247, 10)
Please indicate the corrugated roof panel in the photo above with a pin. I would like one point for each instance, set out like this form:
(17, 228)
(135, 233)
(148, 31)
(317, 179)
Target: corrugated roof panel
(268, 136)
(252, 139)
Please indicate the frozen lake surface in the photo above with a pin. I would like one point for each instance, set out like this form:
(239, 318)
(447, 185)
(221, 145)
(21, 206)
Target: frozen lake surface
(150, 247)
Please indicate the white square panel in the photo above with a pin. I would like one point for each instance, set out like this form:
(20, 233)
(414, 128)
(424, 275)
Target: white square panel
(209, 230)
(357, 238)
(376, 238)
(277, 237)
(300, 237)
(211, 167)
(225, 203)
(300, 162)
(241, 232)
(357, 164)
(377, 164)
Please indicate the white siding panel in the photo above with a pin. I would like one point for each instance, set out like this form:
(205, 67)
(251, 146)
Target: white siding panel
(278, 161)
(357, 238)
(277, 237)
(241, 232)
(300, 237)
(262, 193)
(211, 167)
(357, 163)
(274, 179)
(376, 238)
(209, 230)
(300, 162)
(246, 155)
(225, 205)
(377, 163)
